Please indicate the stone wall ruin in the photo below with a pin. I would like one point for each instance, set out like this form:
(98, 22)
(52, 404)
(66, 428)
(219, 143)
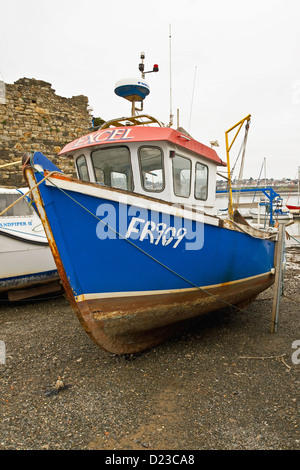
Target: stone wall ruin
(33, 118)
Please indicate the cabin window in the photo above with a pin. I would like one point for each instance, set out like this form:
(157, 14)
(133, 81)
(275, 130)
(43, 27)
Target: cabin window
(201, 181)
(151, 167)
(182, 176)
(82, 168)
(112, 167)
(22, 208)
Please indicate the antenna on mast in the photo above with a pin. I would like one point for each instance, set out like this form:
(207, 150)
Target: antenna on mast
(192, 98)
(171, 112)
(133, 89)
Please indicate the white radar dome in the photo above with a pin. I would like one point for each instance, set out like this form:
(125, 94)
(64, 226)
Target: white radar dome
(132, 89)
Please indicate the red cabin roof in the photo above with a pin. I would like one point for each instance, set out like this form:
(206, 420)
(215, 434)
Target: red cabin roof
(142, 134)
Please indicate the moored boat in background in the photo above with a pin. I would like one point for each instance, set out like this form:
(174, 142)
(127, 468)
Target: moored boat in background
(27, 267)
(295, 208)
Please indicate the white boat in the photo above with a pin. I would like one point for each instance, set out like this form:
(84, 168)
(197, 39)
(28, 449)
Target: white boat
(295, 208)
(27, 267)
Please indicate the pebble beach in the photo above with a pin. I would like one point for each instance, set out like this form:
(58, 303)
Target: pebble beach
(225, 383)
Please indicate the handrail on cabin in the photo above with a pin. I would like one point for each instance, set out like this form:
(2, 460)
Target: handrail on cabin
(142, 120)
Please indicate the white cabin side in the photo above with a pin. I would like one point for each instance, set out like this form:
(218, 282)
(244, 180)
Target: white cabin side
(157, 169)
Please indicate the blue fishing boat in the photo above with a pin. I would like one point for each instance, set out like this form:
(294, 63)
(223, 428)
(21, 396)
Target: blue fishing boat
(136, 239)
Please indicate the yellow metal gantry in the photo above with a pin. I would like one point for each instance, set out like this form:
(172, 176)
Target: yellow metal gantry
(228, 148)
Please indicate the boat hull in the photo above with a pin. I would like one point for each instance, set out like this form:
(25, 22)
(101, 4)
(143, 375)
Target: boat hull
(294, 209)
(126, 325)
(276, 215)
(130, 289)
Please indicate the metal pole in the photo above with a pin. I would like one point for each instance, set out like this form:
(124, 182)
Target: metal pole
(133, 108)
(230, 204)
(170, 59)
(298, 185)
(192, 98)
(278, 277)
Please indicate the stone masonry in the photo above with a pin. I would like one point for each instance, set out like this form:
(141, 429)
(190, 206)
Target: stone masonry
(33, 118)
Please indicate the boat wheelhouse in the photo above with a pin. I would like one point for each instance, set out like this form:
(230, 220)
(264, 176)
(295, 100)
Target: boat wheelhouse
(295, 208)
(152, 161)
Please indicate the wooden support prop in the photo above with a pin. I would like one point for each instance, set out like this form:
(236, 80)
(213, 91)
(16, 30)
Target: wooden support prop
(278, 277)
(48, 288)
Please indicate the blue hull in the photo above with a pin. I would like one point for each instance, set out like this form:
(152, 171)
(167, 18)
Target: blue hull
(129, 271)
(99, 260)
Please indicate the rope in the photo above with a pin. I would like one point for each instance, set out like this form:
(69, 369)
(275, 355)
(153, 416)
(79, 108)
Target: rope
(294, 238)
(243, 146)
(10, 164)
(137, 247)
(25, 194)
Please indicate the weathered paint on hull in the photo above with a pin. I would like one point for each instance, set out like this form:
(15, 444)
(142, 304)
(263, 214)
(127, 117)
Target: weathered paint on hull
(127, 325)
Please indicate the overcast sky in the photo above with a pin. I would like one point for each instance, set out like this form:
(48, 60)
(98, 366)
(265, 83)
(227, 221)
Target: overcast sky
(228, 59)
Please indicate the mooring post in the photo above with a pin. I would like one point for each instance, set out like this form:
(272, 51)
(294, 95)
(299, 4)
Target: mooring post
(278, 277)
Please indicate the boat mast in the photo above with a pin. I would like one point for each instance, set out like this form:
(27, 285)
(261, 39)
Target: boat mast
(298, 185)
(171, 111)
(142, 70)
(192, 98)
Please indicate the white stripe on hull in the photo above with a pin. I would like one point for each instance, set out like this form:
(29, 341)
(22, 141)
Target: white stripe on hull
(108, 295)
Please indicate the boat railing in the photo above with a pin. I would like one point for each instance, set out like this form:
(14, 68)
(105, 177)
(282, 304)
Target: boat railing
(269, 192)
(138, 120)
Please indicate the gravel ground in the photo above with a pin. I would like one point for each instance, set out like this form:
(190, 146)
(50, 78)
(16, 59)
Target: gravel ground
(224, 383)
